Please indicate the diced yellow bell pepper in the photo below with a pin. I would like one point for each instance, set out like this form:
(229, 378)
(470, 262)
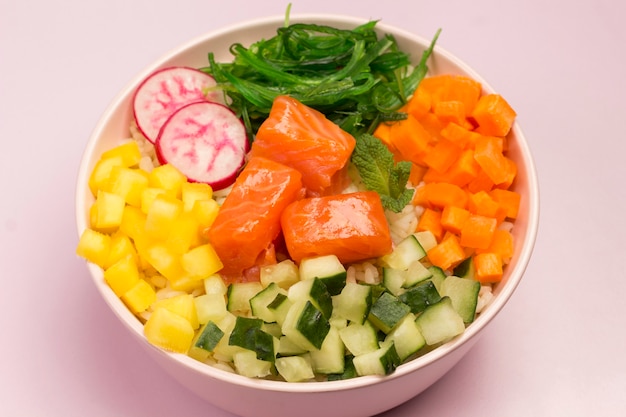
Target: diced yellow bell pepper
(186, 283)
(205, 212)
(161, 216)
(109, 209)
(128, 151)
(94, 247)
(99, 178)
(184, 233)
(147, 197)
(128, 183)
(139, 297)
(168, 178)
(133, 222)
(169, 331)
(183, 305)
(201, 262)
(121, 246)
(122, 275)
(194, 191)
(164, 260)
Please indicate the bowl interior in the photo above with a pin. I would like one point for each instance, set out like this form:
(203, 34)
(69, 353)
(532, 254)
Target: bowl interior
(113, 127)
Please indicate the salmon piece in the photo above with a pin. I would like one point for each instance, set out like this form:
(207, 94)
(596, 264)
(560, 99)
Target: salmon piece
(352, 226)
(249, 219)
(303, 138)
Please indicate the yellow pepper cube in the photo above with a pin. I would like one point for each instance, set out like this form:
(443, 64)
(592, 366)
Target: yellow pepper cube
(128, 183)
(148, 195)
(183, 305)
(99, 178)
(94, 247)
(168, 178)
(169, 331)
(109, 210)
(121, 247)
(122, 275)
(186, 283)
(205, 212)
(194, 191)
(139, 297)
(133, 222)
(161, 216)
(201, 261)
(128, 151)
(184, 233)
(164, 260)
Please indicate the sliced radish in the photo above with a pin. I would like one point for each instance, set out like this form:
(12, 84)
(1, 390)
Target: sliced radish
(167, 90)
(205, 141)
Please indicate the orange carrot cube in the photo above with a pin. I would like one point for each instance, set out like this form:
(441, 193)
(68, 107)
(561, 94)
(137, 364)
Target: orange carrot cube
(447, 253)
(453, 218)
(494, 115)
(477, 231)
(488, 268)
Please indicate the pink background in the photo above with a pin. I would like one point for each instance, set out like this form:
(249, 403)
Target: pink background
(558, 347)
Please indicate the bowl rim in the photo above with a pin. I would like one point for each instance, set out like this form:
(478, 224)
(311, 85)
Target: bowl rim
(496, 305)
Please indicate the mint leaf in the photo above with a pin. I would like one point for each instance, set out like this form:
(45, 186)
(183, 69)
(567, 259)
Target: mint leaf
(380, 173)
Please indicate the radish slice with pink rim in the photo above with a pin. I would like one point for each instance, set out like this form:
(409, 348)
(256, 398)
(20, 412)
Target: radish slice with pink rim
(167, 90)
(206, 142)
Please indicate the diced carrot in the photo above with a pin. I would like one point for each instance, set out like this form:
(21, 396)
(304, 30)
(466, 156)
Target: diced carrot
(454, 87)
(442, 155)
(417, 173)
(383, 132)
(463, 170)
(494, 115)
(481, 203)
(441, 194)
(453, 218)
(432, 125)
(450, 111)
(430, 220)
(460, 134)
(432, 175)
(419, 197)
(419, 104)
(477, 231)
(481, 182)
(501, 244)
(510, 174)
(507, 199)
(488, 268)
(411, 139)
(447, 253)
(488, 154)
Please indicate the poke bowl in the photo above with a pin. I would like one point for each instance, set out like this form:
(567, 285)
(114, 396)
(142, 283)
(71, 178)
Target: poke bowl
(391, 380)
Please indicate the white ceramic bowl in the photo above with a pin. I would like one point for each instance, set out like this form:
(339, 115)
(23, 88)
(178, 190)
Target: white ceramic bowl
(362, 396)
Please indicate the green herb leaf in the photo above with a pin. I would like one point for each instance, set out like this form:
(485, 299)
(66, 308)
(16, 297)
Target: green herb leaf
(380, 173)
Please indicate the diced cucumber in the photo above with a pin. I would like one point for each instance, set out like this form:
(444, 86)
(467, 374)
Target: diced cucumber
(247, 364)
(210, 307)
(215, 285)
(247, 334)
(427, 239)
(279, 307)
(440, 322)
(348, 372)
(314, 291)
(284, 274)
(387, 311)
(239, 295)
(465, 269)
(259, 303)
(416, 273)
(382, 361)
(272, 328)
(354, 302)
(404, 254)
(437, 276)
(288, 348)
(359, 338)
(328, 269)
(406, 337)
(393, 280)
(305, 325)
(330, 358)
(420, 296)
(205, 341)
(464, 295)
(223, 350)
(295, 368)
